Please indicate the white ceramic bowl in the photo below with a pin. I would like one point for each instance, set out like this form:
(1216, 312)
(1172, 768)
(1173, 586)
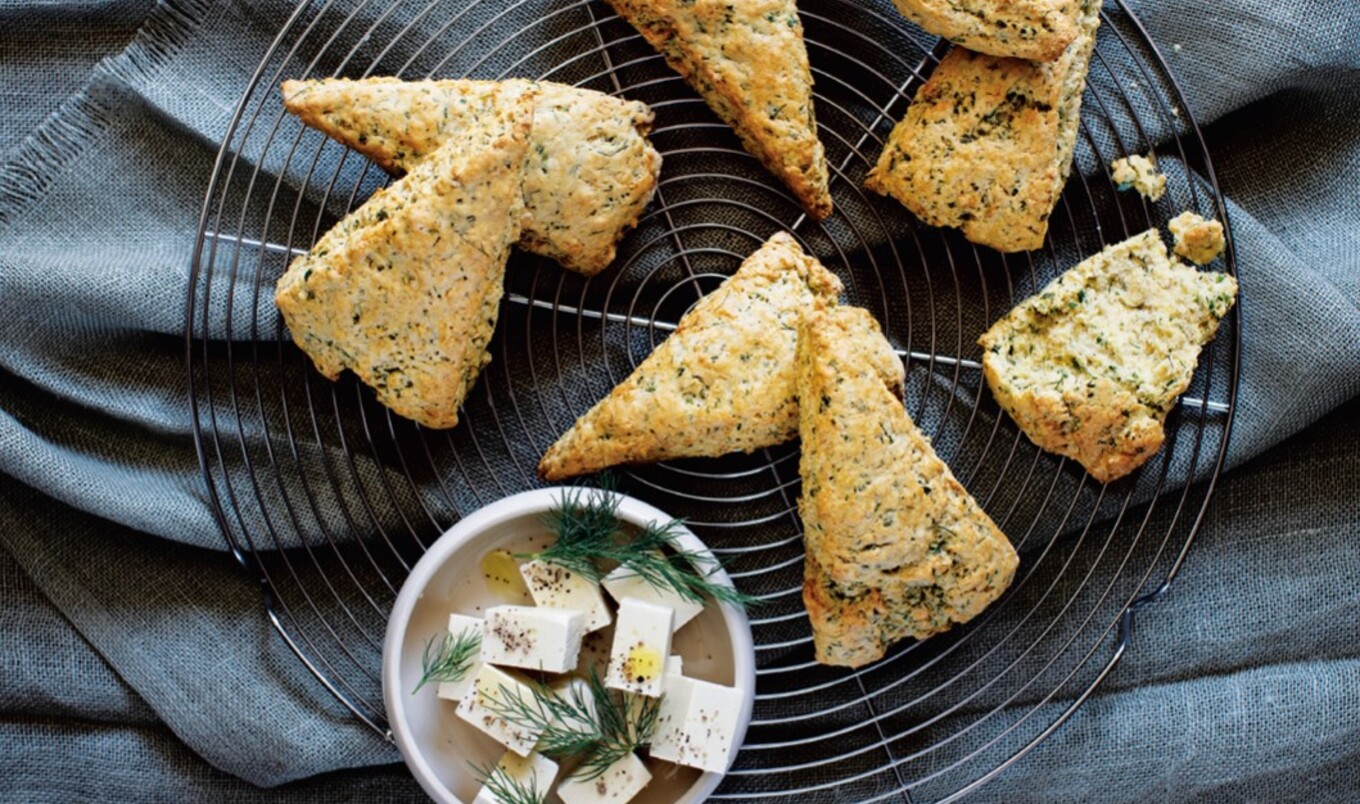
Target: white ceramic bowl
(437, 745)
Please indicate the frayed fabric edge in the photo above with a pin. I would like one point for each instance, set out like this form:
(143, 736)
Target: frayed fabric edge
(81, 120)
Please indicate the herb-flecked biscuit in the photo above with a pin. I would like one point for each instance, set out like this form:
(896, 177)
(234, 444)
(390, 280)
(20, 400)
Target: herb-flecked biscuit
(749, 63)
(1038, 30)
(405, 290)
(722, 382)
(896, 547)
(986, 146)
(1089, 367)
(591, 171)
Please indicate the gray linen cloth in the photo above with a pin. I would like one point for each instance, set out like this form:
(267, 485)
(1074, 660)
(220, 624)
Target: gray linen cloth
(136, 662)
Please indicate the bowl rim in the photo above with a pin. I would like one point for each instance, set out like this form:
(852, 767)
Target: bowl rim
(516, 506)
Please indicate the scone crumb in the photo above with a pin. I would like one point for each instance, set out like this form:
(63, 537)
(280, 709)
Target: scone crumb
(1090, 366)
(1198, 240)
(1139, 173)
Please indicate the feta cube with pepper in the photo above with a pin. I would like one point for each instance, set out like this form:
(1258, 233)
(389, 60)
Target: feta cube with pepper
(620, 782)
(461, 627)
(556, 587)
(486, 701)
(696, 723)
(623, 583)
(534, 773)
(533, 638)
(642, 641)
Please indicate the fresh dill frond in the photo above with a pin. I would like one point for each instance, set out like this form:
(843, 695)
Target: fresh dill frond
(642, 713)
(451, 660)
(599, 761)
(595, 723)
(565, 720)
(626, 723)
(586, 522)
(506, 788)
(612, 712)
(654, 557)
(589, 532)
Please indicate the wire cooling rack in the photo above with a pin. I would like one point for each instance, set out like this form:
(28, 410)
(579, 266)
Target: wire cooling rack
(328, 499)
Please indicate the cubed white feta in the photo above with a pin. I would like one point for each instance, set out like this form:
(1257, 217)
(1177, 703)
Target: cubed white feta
(619, 783)
(675, 667)
(532, 638)
(622, 583)
(534, 773)
(460, 624)
(556, 587)
(696, 724)
(642, 641)
(670, 717)
(489, 692)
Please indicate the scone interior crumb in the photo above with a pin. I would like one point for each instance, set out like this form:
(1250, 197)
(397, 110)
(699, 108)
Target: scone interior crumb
(1138, 172)
(1089, 366)
(1198, 240)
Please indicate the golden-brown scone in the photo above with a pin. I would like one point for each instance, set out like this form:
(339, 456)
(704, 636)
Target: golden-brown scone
(749, 63)
(1038, 30)
(722, 382)
(987, 144)
(405, 290)
(592, 170)
(1089, 367)
(896, 547)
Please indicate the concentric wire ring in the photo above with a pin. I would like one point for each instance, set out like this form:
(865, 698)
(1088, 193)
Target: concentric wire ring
(328, 498)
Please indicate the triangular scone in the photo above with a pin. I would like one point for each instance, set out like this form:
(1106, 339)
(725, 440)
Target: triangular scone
(722, 382)
(592, 170)
(896, 547)
(987, 144)
(405, 290)
(1038, 30)
(749, 63)
(1089, 367)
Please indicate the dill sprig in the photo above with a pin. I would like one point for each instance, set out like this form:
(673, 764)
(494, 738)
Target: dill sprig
(451, 660)
(565, 720)
(596, 723)
(506, 788)
(653, 557)
(589, 532)
(587, 525)
(626, 723)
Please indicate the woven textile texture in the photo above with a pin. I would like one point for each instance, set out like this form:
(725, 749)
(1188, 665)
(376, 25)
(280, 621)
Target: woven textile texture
(137, 665)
